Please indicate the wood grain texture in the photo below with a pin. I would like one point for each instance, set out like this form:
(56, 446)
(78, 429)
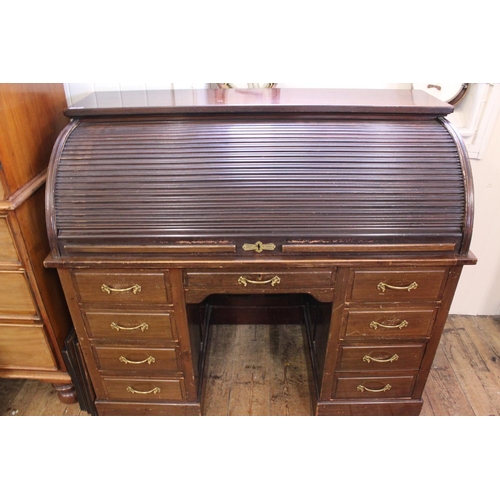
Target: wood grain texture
(30, 122)
(35, 320)
(8, 251)
(232, 179)
(35, 353)
(257, 370)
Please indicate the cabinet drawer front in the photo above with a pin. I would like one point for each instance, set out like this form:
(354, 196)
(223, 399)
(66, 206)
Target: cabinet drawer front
(8, 252)
(25, 347)
(15, 295)
(386, 357)
(383, 324)
(120, 326)
(136, 360)
(130, 389)
(397, 286)
(262, 282)
(374, 387)
(122, 288)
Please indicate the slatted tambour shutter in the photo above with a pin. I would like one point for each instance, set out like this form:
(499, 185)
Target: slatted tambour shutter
(219, 178)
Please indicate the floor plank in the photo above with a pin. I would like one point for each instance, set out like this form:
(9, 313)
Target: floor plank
(472, 373)
(443, 393)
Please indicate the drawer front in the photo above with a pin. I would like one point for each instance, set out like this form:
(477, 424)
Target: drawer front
(144, 389)
(386, 357)
(136, 360)
(8, 252)
(122, 288)
(15, 295)
(123, 326)
(252, 282)
(374, 387)
(25, 347)
(395, 323)
(397, 286)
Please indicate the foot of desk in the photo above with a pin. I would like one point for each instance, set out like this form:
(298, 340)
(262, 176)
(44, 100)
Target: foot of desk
(396, 408)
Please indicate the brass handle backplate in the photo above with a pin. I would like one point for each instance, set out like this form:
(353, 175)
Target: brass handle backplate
(401, 325)
(259, 246)
(155, 390)
(368, 358)
(134, 289)
(273, 281)
(362, 388)
(148, 360)
(141, 327)
(382, 287)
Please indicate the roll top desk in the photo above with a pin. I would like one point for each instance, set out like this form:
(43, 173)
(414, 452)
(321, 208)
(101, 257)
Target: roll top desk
(167, 211)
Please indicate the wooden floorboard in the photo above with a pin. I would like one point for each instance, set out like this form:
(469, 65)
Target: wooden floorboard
(264, 370)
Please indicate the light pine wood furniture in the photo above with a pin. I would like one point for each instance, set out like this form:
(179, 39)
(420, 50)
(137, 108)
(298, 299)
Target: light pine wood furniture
(349, 212)
(34, 318)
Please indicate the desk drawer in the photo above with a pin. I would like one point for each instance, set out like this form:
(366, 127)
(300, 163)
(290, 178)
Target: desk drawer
(124, 326)
(386, 357)
(119, 288)
(397, 285)
(15, 295)
(138, 389)
(390, 323)
(381, 387)
(319, 284)
(26, 347)
(136, 360)
(251, 281)
(8, 252)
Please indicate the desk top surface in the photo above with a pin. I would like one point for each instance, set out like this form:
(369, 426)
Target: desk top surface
(198, 101)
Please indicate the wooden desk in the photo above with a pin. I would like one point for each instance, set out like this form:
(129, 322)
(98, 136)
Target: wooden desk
(347, 211)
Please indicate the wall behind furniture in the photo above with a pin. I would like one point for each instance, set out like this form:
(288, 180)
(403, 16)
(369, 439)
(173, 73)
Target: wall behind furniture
(478, 291)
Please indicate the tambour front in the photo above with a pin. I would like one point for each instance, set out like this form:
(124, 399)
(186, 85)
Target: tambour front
(347, 211)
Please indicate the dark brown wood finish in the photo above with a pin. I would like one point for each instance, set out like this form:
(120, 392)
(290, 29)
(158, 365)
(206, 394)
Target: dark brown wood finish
(214, 205)
(34, 319)
(218, 101)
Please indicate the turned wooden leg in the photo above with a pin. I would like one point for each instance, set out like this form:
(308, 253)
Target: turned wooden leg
(66, 393)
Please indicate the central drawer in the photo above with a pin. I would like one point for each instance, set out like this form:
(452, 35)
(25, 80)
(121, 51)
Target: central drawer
(319, 283)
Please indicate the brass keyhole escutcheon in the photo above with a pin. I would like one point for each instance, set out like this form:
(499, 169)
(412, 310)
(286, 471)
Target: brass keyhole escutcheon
(259, 246)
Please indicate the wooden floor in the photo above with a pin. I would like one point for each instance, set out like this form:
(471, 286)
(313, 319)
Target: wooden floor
(264, 370)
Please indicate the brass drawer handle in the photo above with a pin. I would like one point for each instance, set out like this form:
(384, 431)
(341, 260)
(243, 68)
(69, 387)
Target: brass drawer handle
(135, 289)
(155, 390)
(141, 327)
(412, 286)
(244, 281)
(148, 360)
(259, 246)
(368, 358)
(362, 388)
(401, 325)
